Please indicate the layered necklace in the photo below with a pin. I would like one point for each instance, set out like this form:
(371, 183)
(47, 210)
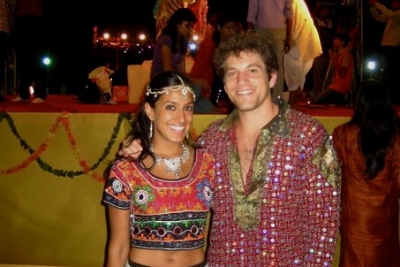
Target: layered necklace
(173, 165)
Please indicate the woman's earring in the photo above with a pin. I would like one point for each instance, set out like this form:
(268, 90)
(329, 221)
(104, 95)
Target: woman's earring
(151, 129)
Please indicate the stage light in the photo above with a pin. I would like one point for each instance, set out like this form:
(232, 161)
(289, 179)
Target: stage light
(192, 46)
(195, 37)
(124, 36)
(142, 36)
(46, 61)
(106, 35)
(371, 65)
(375, 66)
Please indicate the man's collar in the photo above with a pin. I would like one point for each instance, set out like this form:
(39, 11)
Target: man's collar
(233, 117)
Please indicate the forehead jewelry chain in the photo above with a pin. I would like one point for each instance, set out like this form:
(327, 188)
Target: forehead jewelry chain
(173, 165)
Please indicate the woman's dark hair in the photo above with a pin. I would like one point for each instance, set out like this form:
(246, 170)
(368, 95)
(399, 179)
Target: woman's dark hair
(141, 123)
(179, 44)
(378, 123)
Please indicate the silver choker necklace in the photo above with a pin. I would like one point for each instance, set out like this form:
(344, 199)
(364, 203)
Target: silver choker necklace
(173, 165)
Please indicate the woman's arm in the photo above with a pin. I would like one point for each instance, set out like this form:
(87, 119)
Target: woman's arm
(166, 57)
(119, 237)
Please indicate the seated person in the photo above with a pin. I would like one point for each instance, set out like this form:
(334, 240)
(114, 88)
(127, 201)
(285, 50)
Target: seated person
(343, 66)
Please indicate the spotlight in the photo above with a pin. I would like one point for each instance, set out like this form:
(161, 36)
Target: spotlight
(192, 46)
(375, 65)
(46, 61)
(371, 65)
(31, 90)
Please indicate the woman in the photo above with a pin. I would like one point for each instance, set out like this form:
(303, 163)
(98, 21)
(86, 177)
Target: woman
(171, 47)
(158, 205)
(369, 149)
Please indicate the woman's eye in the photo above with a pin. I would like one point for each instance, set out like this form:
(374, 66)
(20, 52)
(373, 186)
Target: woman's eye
(170, 107)
(189, 108)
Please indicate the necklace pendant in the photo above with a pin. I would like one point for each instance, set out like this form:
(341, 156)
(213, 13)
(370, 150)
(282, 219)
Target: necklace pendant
(174, 165)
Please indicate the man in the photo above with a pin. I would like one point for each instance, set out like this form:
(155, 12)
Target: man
(273, 18)
(277, 192)
(306, 46)
(343, 73)
(323, 22)
(390, 42)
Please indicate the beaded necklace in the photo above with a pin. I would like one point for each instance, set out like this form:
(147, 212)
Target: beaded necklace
(173, 165)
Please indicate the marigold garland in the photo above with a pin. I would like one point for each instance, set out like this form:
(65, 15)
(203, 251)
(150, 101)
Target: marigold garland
(62, 120)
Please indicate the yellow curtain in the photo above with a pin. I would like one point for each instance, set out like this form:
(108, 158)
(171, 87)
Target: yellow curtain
(51, 184)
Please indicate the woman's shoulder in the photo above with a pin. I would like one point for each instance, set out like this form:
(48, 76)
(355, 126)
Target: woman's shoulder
(165, 39)
(123, 165)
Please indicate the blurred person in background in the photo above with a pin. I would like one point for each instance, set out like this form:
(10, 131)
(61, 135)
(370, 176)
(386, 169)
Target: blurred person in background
(6, 21)
(223, 25)
(273, 19)
(172, 45)
(323, 22)
(368, 148)
(29, 37)
(306, 46)
(342, 63)
(171, 49)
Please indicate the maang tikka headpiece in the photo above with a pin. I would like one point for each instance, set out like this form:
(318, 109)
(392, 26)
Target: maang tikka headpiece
(185, 90)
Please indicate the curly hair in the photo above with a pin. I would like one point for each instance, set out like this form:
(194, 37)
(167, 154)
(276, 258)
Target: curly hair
(248, 42)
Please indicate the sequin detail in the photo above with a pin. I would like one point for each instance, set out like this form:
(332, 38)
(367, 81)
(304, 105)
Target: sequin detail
(295, 207)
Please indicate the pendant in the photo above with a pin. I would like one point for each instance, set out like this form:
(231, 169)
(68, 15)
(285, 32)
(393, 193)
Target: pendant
(173, 165)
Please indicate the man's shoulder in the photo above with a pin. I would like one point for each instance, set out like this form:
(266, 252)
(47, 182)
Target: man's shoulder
(304, 121)
(211, 133)
(215, 125)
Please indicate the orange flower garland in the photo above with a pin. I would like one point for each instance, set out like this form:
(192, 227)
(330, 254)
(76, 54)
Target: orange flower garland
(62, 120)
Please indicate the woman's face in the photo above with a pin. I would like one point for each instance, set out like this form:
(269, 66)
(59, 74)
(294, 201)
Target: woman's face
(185, 28)
(172, 116)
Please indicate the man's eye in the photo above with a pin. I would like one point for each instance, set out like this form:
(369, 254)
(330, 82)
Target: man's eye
(253, 70)
(230, 74)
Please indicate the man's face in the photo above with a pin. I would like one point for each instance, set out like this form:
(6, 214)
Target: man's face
(229, 29)
(337, 42)
(246, 81)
